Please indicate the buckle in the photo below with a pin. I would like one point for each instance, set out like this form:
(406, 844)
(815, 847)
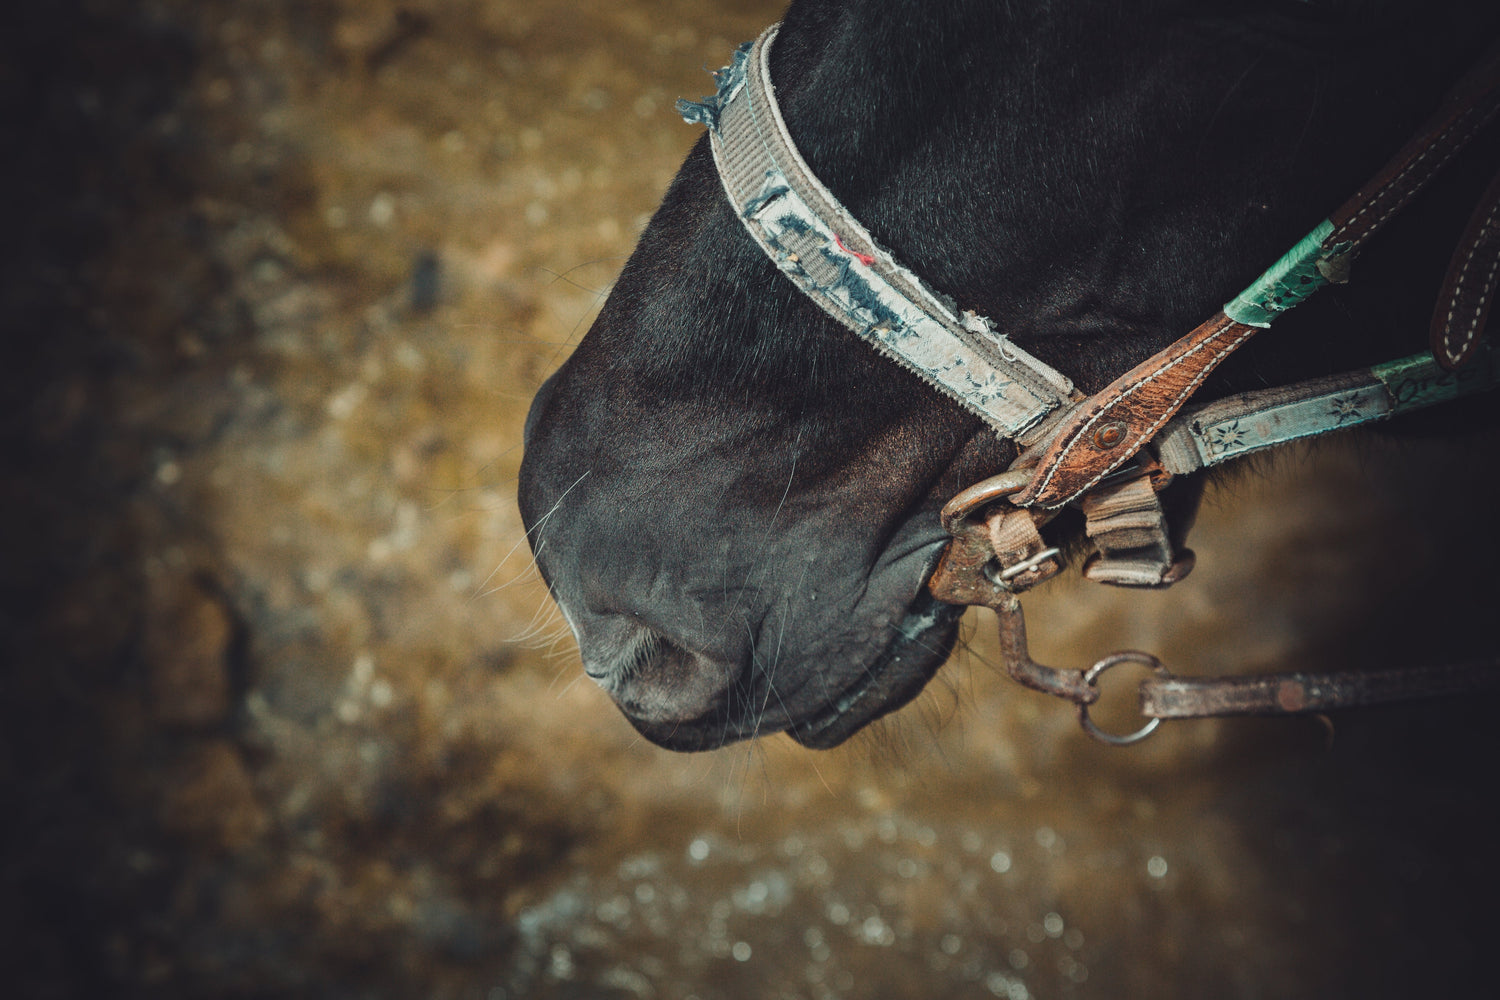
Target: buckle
(996, 549)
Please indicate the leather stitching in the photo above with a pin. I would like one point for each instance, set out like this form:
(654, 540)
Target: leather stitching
(1142, 438)
(1386, 189)
(1469, 121)
(1454, 355)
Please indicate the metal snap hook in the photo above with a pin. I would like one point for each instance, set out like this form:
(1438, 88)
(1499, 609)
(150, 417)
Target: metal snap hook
(1093, 673)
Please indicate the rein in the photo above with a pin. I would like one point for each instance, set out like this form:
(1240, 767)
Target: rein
(1112, 453)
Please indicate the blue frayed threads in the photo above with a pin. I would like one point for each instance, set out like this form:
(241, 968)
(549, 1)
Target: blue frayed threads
(794, 224)
(861, 296)
(728, 80)
(768, 193)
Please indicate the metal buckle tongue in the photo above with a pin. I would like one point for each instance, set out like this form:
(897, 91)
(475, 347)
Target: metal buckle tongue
(996, 548)
(983, 493)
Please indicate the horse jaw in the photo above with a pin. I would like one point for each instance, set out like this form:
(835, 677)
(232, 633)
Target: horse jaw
(924, 638)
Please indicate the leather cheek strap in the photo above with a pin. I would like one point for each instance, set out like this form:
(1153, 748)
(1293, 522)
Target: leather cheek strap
(1114, 424)
(1465, 111)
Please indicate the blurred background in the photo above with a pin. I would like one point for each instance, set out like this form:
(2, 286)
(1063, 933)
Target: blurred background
(287, 713)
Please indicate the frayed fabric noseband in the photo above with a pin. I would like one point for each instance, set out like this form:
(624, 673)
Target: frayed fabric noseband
(834, 260)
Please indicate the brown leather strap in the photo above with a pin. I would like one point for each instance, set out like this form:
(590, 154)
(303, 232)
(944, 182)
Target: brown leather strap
(1464, 303)
(1113, 424)
(1466, 110)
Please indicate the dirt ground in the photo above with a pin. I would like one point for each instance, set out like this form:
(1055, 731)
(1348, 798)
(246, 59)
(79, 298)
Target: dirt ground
(286, 712)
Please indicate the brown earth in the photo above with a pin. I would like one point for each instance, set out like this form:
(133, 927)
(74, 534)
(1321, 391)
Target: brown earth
(286, 713)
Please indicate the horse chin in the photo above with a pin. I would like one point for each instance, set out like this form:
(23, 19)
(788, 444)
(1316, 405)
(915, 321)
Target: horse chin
(924, 638)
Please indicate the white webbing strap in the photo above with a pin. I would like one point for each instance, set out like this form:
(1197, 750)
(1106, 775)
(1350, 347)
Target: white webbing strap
(1127, 525)
(834, 260)
(1023, 558)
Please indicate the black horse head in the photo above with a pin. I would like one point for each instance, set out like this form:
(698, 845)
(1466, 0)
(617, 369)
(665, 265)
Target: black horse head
(734, 500)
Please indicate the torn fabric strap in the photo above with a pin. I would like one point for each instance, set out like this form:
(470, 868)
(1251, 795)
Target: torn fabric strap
(832, 259)
(1251, 422)
(1127, 525)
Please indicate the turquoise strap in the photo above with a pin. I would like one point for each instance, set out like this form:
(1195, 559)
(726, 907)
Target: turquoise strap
(1251, 422)
(1417, 381)
(1285, 284)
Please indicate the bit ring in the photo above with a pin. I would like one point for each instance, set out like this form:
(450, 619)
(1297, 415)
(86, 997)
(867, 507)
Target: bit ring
(1094, 673)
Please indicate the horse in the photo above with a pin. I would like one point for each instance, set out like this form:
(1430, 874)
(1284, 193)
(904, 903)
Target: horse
(735, 501)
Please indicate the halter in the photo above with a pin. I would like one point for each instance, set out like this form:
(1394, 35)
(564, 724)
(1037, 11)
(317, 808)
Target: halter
(1112, 453)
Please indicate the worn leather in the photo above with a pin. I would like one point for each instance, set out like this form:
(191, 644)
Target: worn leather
(1112, 425)
(1468, 108)
(1463, 304)
(1127, 525)
(998, 539)
(1139, 402)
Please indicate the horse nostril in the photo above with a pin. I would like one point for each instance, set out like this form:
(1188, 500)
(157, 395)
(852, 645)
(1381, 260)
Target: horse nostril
(614, 658)
(653, 678)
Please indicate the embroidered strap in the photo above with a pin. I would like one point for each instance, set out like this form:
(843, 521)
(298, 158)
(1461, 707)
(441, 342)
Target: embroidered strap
(1254, 421)
(835, 261)
(1125, 520)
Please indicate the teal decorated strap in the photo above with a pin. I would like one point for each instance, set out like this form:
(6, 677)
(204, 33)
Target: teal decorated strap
(1417, 381)
(1285, 284)
(1254, 421)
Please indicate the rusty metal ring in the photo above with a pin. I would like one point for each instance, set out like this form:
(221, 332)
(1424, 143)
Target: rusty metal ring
(1093, 673)
(981, 495)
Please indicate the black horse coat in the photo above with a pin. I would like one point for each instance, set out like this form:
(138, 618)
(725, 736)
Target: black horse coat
(734, 500)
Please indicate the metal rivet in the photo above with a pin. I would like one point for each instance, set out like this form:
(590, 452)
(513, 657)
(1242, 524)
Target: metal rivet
(1110, 435)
